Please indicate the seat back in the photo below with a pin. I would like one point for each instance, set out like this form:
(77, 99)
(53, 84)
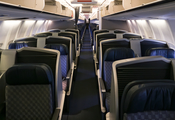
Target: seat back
(111, 55)
(73, 37)
(54, 30)
(155, 100)
(23, 42)
(131, 36)
(142, 68)
(165, 52)
(65, 43)
(147, 44)
(111, 43)
(77, 34)
(98, 32)
(64, 55)
(29, 92)
(120, 31)
(43, 34)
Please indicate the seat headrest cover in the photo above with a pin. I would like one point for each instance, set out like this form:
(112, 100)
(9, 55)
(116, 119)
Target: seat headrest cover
(60, 47)
(150, 97)
(27, 39)
(165, 52)
(46, 34)
(54, 30)
(26, 74)
(120, 31)
(113, 54)
(17, 45)
(131, 36)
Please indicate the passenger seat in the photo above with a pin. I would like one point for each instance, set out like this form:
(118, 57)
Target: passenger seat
(30, 93)
(111, 55)
(165, 52)
(150, 101)
(64, 60)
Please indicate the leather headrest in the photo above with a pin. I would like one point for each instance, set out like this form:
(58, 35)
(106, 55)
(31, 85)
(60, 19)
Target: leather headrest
(27, 39)
(131, 36)
(46, 34)
(17, 45)
(165, 52)
(113, 54)
(60, 47)
(150, 97)
(54, 30)
(25, 74)
(120, 31)
(67, 35)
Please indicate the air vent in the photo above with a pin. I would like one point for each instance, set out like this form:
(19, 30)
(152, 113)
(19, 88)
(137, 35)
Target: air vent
(86, 9)
(117, 2)
(63, 7)
(107, 7)
(50, 2)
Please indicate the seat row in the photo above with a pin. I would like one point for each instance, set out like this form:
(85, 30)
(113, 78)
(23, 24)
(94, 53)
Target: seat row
(111, 51)
(141, 88)
(33, 61)
(31, 84)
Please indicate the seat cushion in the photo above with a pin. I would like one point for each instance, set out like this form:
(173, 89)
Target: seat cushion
(151, 115)
(150, 97)
(32, 102)
(165, 52)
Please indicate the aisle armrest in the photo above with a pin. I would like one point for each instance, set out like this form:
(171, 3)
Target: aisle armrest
(103, 89)
(2, 106)
(69, 74)
(103, 109)
(56, 114)
(75, 63)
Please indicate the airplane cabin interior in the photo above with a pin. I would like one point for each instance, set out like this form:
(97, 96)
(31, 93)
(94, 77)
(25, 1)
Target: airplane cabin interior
(87, 60)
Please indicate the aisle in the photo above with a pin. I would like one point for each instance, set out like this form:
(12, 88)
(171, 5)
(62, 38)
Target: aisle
(84, 99)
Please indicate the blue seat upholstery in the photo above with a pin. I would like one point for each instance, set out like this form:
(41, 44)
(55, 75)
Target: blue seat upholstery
(165, 52)
(23, 42)
(64, 60)
(30, 92)
(148, 101)
(146, 44)
(111, 55)
(17, 45)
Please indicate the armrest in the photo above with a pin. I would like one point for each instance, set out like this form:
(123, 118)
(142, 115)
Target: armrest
(136, 55)
(69, 74)
(96, 61)
(75, 64)
(56, 114)
(2, 106)
(103, 89)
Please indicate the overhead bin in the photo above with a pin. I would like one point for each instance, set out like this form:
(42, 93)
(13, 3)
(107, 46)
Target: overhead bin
(32, 4)
(128, 4)
(155, 10)
(113, 8)
(14, 12)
